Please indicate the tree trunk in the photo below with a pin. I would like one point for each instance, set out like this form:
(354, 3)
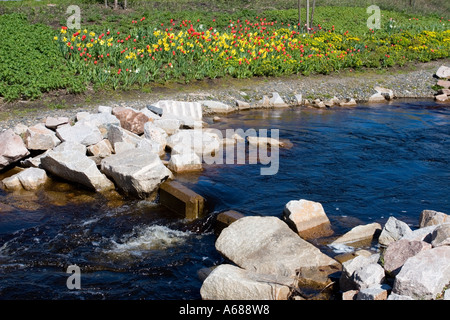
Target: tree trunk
(106, 3)
(312, 13)
(300, 15)
(116, 4)
(125, 4)
(307, 15)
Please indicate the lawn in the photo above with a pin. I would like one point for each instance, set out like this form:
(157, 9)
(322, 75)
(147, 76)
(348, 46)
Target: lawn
(158, 42)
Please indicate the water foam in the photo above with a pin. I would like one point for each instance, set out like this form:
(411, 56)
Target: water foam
(155, 237)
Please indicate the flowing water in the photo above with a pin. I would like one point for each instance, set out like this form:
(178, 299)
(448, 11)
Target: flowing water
(363, 164)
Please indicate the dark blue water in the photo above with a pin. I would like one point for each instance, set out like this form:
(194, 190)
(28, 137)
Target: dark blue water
(363, 164)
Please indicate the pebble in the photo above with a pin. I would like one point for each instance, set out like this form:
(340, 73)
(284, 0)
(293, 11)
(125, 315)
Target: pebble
(405, 84)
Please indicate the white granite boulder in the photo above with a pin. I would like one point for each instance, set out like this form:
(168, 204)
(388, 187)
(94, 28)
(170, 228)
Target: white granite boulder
(75, 166)
(39, 137)
(137, 171)
(228, 282)
(12, 148)
(267, 245)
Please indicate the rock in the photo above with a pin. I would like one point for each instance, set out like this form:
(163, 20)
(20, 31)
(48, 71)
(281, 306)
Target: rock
(349, 295)
(447, 294)
(216, 106)
(242, 105)
(104, 109)
(444, 91)
(348, 103)
(154, 133)
(71, 146)
(34, 162)
(38, 137)
(170, 126)
(53, 123)
(185, 162)
(122, 139)
(75, 166)
(441, 235)
(431, 217)
(308, 218)
(346, 281)
(425, 275)
(224, 219)
(28, 179)
(137, 172)
(264, 142)
(130, 119)
(399, 251)
(80, 133)
(12, 183)
(264, 102)
(379, 292)
(444, 83)
(393, 230)
(359, 233)
(298, 99)
(20, 129)
(181, 109)
(12, 148)
(368, 276)
(156, 110)
(319, 103)
(228, 282)
(201, 142)
(102, 121)
(443, 72)
(267, 245)
(101, 149)
(388, 94)
(394, 296)
(331, 102)
(277, 101)
(441, 97)
(377, 98)
(421, 234)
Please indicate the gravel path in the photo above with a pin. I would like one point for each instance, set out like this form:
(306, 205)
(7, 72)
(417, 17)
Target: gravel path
(409, 82)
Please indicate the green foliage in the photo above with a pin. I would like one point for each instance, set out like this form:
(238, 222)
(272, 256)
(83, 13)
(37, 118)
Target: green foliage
(30, 63)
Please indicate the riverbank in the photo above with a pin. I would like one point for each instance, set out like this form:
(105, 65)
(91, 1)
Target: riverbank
(413, 81)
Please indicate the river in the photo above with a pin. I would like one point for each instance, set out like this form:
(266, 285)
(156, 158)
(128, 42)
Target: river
(364, 164)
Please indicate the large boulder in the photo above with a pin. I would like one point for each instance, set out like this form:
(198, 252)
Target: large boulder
(137, 171)
(75, 166)
(353, 275)
(431, 217)
(228, 282)
(12, 148)
(443, 72)
(425, 275)
(399, 251)
(267, 245)
(185, 162)
(155, 133)
(38, 137)
(28, 179)
(441, 235)
(199, 141)
(359, 233)
(393, 230)
(130, 119)
(80, 133)
(308, 218)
